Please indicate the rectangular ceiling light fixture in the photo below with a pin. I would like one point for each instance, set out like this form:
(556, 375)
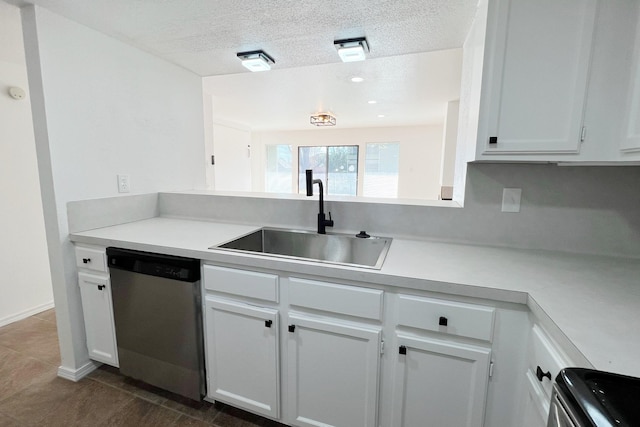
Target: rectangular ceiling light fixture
(256, 60)
(323, 119)
(351, 50)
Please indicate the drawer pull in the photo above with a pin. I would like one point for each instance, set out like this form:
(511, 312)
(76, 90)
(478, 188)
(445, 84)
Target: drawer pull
(101, 287)
(292, 328)
(267, 323)
(86, 260)
(443, 321)
(402, 349)
(540, 374)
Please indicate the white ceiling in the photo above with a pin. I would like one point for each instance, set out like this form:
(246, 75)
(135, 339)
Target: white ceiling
(204, 36)
(408, 89)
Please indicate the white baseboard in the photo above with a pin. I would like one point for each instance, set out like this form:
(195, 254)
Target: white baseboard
(26, 313)
(76, 375)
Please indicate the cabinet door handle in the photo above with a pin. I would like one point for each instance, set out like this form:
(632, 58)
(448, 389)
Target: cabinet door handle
(402, 349)
(101, 287)
(443, 321)
(540, 374)
(86, 260)
(268, 323)
(292, 328)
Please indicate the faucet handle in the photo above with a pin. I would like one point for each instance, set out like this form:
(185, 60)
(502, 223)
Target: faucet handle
(330, 221)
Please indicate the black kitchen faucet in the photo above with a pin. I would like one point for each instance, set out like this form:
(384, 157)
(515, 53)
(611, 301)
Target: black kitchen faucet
(322, 221)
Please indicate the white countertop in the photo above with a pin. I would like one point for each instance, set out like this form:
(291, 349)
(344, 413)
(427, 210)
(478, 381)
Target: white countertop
(593, 300)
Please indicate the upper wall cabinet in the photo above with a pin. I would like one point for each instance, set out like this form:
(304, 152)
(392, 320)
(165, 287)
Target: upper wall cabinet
(555, 81)
(630, 143)
(538, 65)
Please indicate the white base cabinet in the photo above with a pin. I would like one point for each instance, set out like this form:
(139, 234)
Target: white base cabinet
(97, 307)
(439, 383)
(333, 371)
(97, 304)
(310, 353)
(242, 355)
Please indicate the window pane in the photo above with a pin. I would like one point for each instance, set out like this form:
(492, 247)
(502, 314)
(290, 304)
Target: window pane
(381, 169)
(343, 170)
(314, 158)
(278, 169)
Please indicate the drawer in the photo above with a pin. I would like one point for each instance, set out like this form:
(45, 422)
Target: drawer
(243, 283)
(448, 317)
(545, 353)
(335, 298)
(91, 258)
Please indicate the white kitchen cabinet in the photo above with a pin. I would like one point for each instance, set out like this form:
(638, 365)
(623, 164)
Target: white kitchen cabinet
(538, 64)
(97, 307)
(630, 143)
(333, 372)
(242, 355)
(439, 383)
(545, 360)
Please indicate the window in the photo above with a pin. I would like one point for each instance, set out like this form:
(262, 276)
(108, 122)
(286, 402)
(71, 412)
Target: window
(336, 166)
(381, 169)
(278, 169)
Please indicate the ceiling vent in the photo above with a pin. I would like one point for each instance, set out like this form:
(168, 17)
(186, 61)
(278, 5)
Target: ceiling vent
(352, 50)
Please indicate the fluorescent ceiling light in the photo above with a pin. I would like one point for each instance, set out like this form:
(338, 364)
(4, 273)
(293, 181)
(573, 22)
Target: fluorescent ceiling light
(256, 60)
(357, 79)
(351, 50)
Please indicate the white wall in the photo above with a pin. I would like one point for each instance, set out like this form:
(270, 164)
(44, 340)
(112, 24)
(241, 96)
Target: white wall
(473, 52)
(26, 282)
(420, 153)
(103, 108)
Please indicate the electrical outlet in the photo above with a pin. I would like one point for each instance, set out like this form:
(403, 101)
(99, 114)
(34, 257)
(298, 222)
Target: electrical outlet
(511, 199)
(123, 184)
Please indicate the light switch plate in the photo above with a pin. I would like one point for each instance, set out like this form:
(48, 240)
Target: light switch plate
(511, 199)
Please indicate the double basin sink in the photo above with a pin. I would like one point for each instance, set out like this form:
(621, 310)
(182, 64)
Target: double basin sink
(343, 249)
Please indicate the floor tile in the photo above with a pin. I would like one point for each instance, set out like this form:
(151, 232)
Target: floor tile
(139, 412)
(49, 316)
(234, 417)
(90, 404)
(202, 410)
(18, 372)
(36, 402)
(6, 421)
(185, 421)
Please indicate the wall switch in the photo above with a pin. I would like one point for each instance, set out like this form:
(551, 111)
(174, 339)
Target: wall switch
(123, 184)
(511, 199)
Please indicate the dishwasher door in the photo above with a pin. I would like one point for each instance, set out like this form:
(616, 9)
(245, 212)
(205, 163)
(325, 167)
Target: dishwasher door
(159, 331)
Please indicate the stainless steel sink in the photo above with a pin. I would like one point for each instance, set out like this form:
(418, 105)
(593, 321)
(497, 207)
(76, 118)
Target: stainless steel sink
(345, 249)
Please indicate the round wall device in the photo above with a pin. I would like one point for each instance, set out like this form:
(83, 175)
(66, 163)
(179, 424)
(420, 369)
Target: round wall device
(17, 93)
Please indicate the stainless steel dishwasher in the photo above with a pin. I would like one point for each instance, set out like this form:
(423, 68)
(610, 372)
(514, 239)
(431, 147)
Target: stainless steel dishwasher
(158, 317)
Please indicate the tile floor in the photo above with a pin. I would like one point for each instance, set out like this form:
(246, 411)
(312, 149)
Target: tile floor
(31, 394)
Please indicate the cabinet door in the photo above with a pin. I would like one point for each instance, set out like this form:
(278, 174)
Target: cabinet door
(333, 371)
(631, 131)
(242, 355)
(97, 307)
(539, 73)
(439, 383)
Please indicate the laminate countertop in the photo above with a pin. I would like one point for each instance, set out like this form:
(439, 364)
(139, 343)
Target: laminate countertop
(593, 301)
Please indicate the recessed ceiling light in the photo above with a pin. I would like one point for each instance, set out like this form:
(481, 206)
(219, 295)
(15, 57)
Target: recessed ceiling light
(380, 115)
(256, 60)
(373, 101)
(351, 50)
(357, 79)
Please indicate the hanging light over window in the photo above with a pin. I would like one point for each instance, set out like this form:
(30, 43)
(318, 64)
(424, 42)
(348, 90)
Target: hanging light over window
(256, 60)
(323, 119)
(351, 50)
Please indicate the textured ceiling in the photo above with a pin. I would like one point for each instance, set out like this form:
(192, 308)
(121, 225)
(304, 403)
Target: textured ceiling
(204, 35)
(412, 70)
